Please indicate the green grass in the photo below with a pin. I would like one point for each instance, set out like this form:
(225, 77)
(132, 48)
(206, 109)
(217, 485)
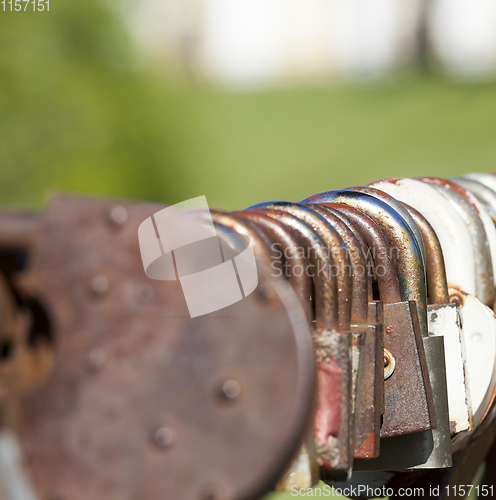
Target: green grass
(134, 138)
(245, 148)
(78, 113)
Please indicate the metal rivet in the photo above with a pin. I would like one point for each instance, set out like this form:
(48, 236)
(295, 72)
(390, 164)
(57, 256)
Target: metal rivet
(98, 356)
(118, 215)
(389, 364)
(164, 437)
(99, 284)
(231, 389)
(267, 291)
(145, 293)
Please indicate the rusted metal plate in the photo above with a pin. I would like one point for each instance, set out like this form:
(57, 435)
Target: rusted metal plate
(423, 450)
(371, 397)
(144, 401)
(365, 338)
(408, 382)
(367, 410)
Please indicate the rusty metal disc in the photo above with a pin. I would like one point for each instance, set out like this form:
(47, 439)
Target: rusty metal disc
(143, 401)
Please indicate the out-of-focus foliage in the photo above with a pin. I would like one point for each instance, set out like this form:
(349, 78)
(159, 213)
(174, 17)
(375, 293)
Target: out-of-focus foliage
(78, 114)
(75, 113)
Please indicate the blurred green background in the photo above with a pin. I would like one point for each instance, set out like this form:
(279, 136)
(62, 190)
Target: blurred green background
(80, 111)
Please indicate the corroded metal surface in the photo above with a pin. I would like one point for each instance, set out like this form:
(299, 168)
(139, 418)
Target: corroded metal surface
(332, 340)
(287, 247)
(325, 291)
(447, 223)
(444, 321)
(458, 254)
(413, 412)
(372, 190)
(403, 244)
(398, 392)
(364, 247)
(408, 397)
(303, 472)
(484, 278)
(387, 278)
(26, 357)
(359, 277)
(367, 406)
(428, 449)
(437, 283)
(339, 265)
(18, 229)
(143, 399)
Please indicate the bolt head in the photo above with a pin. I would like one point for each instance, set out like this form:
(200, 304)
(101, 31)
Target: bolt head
(98, 356)
(389, 363)
(99, 284)
(164, 437)
(119, 215)
(267, 291)
(231, 389)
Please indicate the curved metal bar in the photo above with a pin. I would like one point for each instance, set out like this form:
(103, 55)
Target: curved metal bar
(483, 193)
(392, 202)
(387, 278)
(340, 262)
(325, 293)
(238, 225)
(290, 251)
(359, 279)
(364, 248)
(454, 236)
(437, 284)
(489, 180)
(484, 277)
(480, 207)
(407, 256)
